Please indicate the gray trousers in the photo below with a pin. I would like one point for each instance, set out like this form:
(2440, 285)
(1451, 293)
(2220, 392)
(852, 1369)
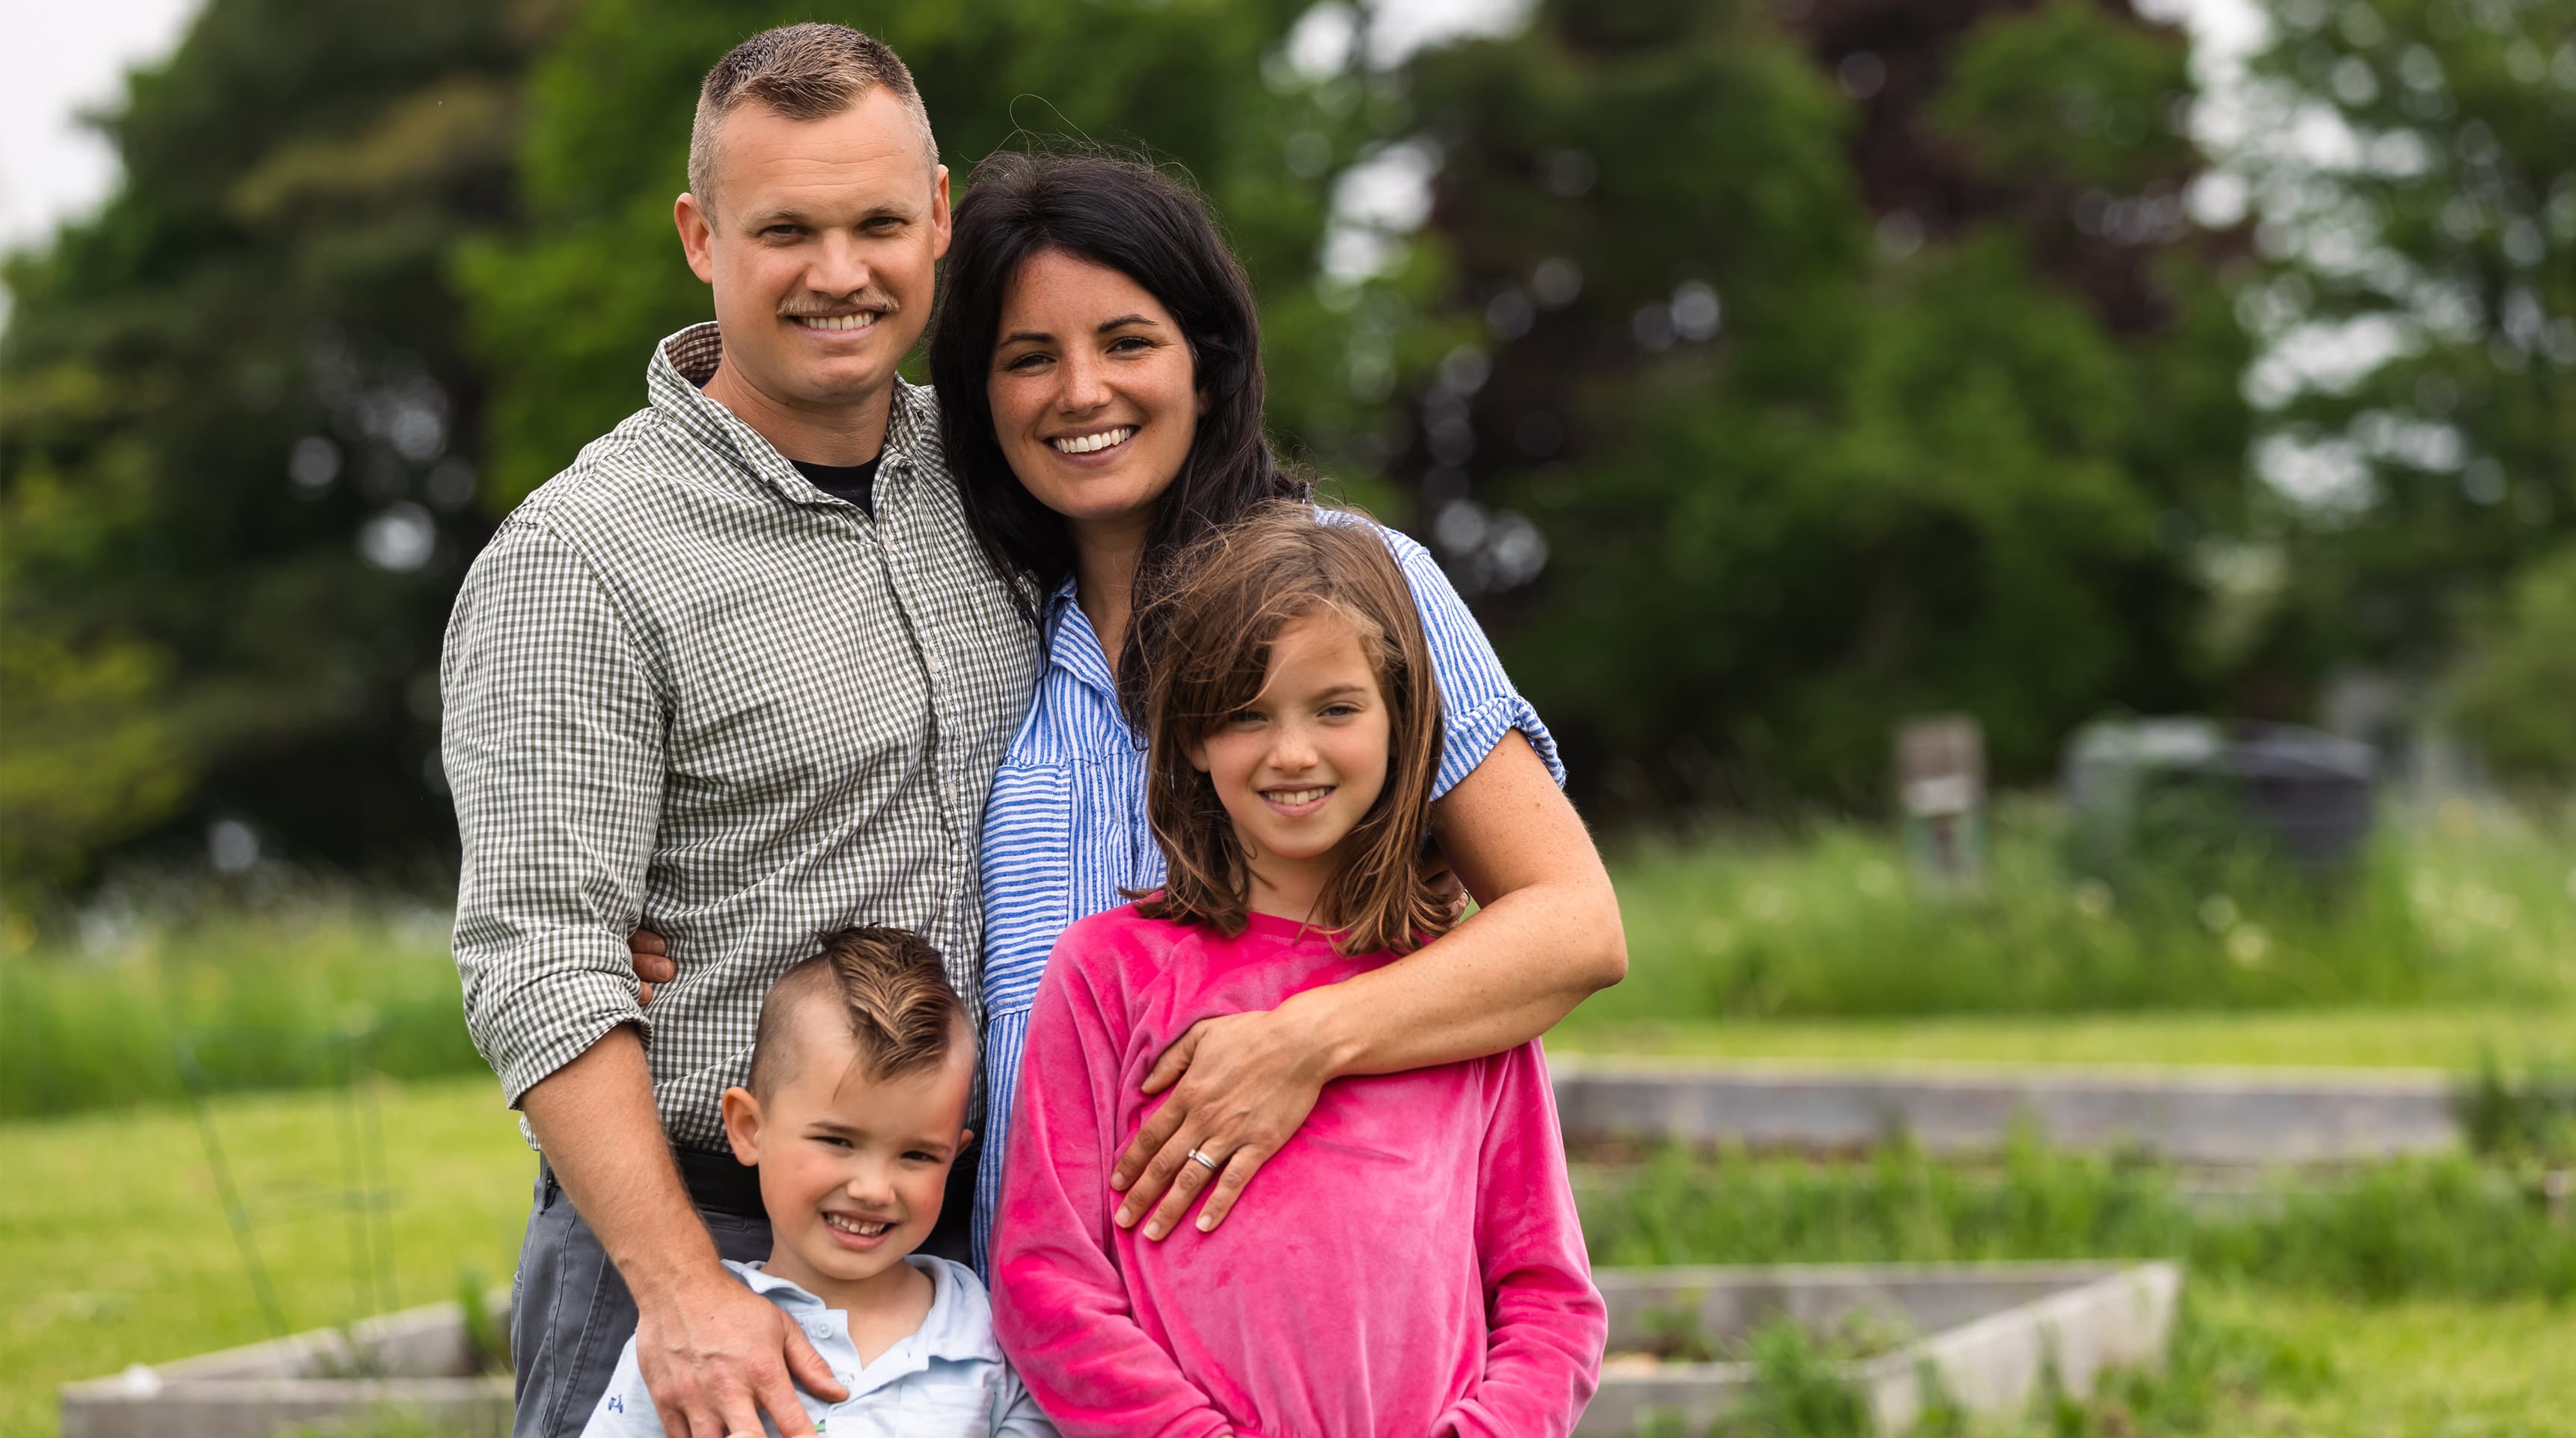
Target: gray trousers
(570, 1313)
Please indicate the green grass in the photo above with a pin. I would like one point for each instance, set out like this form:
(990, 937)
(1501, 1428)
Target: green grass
(2451, 1039)
(274, 998)
(2437, 1228)
(117, 1250)
(2251, 1362)
(2475, 908)
(2424, 1368)
(2418, 1299)
(2458, 938)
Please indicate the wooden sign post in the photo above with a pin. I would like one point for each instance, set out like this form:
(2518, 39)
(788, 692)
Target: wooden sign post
(1941, 791)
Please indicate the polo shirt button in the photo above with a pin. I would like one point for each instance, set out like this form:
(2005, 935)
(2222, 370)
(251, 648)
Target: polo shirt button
(935, 665)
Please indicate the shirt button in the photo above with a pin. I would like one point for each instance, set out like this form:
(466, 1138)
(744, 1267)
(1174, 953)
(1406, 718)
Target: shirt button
(935, 665)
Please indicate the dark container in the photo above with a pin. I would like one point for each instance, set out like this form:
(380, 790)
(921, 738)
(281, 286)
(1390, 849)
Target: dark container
(2189, 791)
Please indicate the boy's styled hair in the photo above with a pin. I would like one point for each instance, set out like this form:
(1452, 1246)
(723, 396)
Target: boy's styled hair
(811, 71)
(1238, 588)
(891, 990)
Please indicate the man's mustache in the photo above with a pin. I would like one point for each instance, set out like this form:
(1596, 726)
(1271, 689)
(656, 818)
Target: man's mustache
(876, 300)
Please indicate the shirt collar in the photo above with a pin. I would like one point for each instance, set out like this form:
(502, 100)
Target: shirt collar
(686, 360)
(1072, 644)
(958, 1328)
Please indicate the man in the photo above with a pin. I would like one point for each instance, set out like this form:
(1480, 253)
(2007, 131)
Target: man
(742, 673)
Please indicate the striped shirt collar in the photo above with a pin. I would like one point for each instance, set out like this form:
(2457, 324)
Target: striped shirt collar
(1072, 644)
(683, 363)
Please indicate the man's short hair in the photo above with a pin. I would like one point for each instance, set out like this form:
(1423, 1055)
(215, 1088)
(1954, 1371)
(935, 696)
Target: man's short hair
(886, 984)
(811, 71)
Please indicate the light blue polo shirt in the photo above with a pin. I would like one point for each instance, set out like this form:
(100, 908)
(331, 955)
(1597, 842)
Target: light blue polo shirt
(947, 1380)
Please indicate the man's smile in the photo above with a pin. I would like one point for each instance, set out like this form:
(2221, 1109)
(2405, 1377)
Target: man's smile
(837, 324)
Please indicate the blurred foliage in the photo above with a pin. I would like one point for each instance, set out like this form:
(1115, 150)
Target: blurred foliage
(2515, 698)
(1763, 371)
(2477, 905)
(274, 990)
(1826, 412)
(2380, 1233)
(2415, 165)
(236, 439)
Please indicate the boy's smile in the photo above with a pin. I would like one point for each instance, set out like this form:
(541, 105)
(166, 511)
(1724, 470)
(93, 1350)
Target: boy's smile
(852, 1166)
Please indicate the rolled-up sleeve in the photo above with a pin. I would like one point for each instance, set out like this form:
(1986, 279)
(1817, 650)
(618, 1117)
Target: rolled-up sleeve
(553, 739)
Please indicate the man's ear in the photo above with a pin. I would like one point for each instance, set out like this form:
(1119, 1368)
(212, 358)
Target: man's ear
(742, 1124)
(697, 225)
(939, 226)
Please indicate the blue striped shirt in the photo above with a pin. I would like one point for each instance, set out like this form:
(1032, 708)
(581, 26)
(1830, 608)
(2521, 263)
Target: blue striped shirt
(1065, 829)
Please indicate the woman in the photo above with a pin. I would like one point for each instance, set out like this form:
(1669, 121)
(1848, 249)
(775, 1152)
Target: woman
(1097, 357)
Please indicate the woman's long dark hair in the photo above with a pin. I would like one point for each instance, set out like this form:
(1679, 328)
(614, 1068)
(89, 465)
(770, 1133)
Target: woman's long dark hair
(1129, 217)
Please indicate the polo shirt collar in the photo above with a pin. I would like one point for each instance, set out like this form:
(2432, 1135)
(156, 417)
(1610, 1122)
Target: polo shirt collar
(958, 1328)
(686, 360)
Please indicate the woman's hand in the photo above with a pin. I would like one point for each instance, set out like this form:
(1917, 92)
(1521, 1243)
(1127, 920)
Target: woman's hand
(652, 960)
(1241, 1085)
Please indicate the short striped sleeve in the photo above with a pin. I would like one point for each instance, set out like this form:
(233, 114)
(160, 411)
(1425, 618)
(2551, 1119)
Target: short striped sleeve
(1478, 701)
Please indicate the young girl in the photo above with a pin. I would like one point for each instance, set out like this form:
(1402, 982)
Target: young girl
(1410, 1263)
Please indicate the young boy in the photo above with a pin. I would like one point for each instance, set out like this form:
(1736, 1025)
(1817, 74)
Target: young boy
(860, 1072)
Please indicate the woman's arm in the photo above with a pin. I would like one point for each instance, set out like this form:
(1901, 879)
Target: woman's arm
(1546, 938)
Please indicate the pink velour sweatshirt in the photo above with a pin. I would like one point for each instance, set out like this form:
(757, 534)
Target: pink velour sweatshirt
(1409, 1265)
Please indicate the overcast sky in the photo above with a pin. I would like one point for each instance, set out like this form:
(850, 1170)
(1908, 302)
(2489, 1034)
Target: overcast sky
(61, 58)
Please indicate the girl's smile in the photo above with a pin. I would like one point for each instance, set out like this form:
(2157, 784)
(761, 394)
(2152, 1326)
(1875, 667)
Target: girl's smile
(1297, 803)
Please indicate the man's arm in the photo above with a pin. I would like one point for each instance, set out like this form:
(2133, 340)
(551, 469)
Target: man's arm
(713, 1353)
(1547, 937)
(555, 752)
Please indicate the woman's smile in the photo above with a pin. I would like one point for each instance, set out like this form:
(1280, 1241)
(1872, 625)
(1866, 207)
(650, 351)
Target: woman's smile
(1093, 389)
(1097, 446)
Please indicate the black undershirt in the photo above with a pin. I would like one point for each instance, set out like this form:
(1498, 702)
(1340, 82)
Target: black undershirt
(855, 483)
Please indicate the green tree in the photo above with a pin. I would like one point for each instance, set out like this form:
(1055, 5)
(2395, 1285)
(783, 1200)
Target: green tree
(2516, 697)
(566, 309)
(1792, 414)
(235, 442)
(2415, 166)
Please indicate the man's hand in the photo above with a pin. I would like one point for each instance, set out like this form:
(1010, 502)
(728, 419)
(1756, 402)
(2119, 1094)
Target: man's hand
(717, 1355)
(1241, 1085)
(652, 960)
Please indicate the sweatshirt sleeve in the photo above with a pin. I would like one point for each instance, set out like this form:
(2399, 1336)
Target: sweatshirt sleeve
(1060, 1306)
(1015, 1413)
(1546, 1323)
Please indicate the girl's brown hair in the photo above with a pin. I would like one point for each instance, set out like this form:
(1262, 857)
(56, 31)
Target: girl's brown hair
(1237, 589)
